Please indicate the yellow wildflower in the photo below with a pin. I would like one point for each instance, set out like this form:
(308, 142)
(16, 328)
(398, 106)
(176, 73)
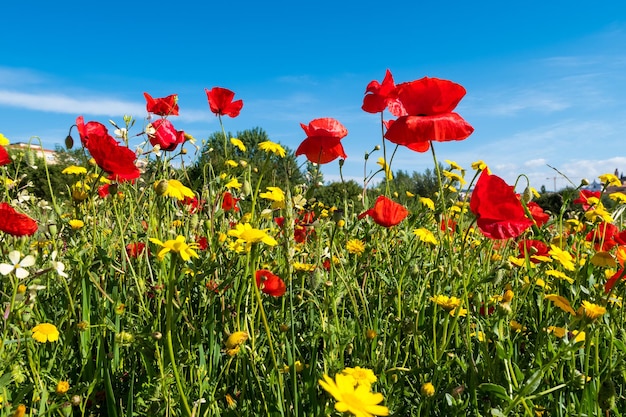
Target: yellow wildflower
(618, 196)
(178, 245)
(62, 387)
(592, 311)
(479, 165)
(302, 267)
(454, 177)
(246, 233)
(233, 183)
(275, 148)
(355, 246)
(563, 257)
(425, 235)
(447, 303)
(45, 332)
(560, 275)
(427, 389)
(362, 376)
(358, 400)
(427, 202)
(453, 165)
(238, 143)
(176, 189)
(236, 339)
(610, 179)
(384, 166)
(4, 141)
(409, 194)
(73, 169)
(76, 224)
(276, 195)
(561, 302)
(598, 213)
(231, 163)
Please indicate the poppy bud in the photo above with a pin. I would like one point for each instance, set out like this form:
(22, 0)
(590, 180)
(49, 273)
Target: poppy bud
(66, 409)
(26, 315)
(527, 195)
(69, 142)
(246, 188)
(606, 395)
(584, 182)
(30, 158)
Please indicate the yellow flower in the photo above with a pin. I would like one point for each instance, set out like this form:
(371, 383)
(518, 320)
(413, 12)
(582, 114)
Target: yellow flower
(79, 191)
(355, 246)
(299, 266)
(427, 389)
(62, 387)
(236, 339)
(358, 400)
(178, 245)
(20, 411)
(231, 163)
(561, 332)
(561, 302)
(427, 202)
(361, 376)
(479, 165)
(563, 257)
(559, 275)
(275, 148)
(383, 164)
(246, 233)
(618, 196)
(454, 177)
(610, 179)
(45, 332)
(238, 143)
(73, 169)
(447, 303)
(517, 327)
(233, 183)
(603, 259)
(409, 194)
(176, 189)
(425, 235)
(276, 195)
(3, 140)
(592, 311)
(453, 165)
(76, 224)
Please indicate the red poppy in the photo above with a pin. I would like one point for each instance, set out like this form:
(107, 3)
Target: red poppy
(532, 248)
(165, 135)
(604, 236)
(14, 223)
(428, 103)
(5, 159)
(540, 216)
(117, 161)
(269, 283)
(90, 129)
(499, 213)
(221, 102)
(203, 243)
(103, 190)
(135, 249)
(386, 212)
(379, 96)
(323, 142)
(229, 202)
(165, 106)
(584, 196)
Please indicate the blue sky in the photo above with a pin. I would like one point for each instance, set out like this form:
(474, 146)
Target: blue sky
(546, 81)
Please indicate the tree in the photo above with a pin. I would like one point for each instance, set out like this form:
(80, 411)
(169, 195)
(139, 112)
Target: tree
(216, 152)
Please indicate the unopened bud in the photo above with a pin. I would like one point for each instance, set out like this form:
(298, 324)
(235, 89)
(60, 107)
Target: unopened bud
(584, 182)
(69, 142)
(527, 195)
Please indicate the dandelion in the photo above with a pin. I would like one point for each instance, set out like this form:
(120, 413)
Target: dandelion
(425, 235)
(358, 400)
(45, 332)
(355, 246)
(272, 147)
(75, 170)
(445, 302)
(592, 311)
(17, 264)
(361, 376)
(76, 224)
(62, 387)
(427, 389)
(178, 245)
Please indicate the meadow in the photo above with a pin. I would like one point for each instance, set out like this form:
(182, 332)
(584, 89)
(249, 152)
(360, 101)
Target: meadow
(234, 292)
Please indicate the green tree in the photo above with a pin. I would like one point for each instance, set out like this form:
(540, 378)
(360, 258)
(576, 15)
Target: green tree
(216, 152)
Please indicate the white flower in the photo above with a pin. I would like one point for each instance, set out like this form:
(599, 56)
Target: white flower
(17, 266)
(57, 265)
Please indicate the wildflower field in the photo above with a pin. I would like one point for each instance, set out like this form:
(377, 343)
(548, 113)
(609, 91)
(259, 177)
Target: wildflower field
(231, 291)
